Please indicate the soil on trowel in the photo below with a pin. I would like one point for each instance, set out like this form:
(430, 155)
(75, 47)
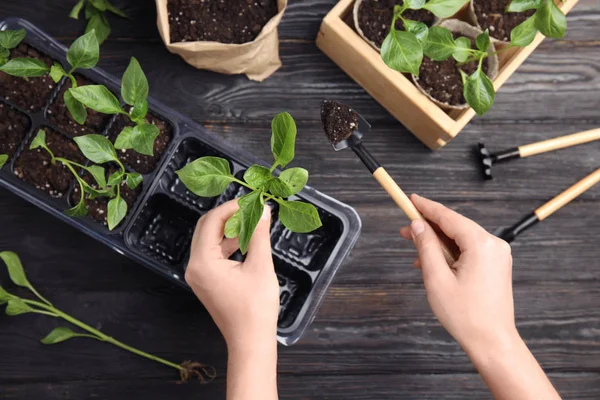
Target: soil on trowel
(339, 121)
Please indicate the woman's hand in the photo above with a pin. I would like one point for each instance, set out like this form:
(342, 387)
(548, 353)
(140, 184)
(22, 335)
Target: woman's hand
(243, 298)
(474, 301)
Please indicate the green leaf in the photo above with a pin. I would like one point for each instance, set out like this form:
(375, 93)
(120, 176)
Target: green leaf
(16, 306)
(279, 188)
(550, 20)
(25, 67)
(110, 7)
(445, 8)
(283, 138)
(295, 178)
(98, 98)
(115, 179)
(117, 210)
(99, 4)
(523, 5)
(80, 210)
(479, 92)
(59, 335)
(419, 29)
(124, 139)
(133, 180)
(76, 109)
(134, 86)
(402, 52)
(143, 137)
(94, 193)
(3, 160)
(414, 4)
(483, 41)
(440, 44)
(77, 9)
(39, 140)
(84, 52)
(57, 72)
(207, 176)
(251, 207)
(90, 10)
(299, 217)
(9, 39)
(463, 49)
(99, 175)
(139, 111)
(257, 176)
(4, 296)
(98, 24)
(233, 225)
(96, 148)
(15, 269)
(523, 34)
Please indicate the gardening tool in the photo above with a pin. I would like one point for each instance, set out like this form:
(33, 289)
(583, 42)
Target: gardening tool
(543, 212)
(488, 159)
(354, 141)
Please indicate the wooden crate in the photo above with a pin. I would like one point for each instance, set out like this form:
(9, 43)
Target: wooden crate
(433, 126)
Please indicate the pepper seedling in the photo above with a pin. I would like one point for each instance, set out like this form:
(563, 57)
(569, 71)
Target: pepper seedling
(134, 91)
(403, 51)
(99, 150)
(16, 305)
(210, 176)
(21, 67)
(95, 13)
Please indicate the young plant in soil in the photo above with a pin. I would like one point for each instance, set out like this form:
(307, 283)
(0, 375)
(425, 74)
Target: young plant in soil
(99, 150)
(95, 13)
(134, 91)
(403, 51)
(16, 305)
(210, 176)
(21, 67)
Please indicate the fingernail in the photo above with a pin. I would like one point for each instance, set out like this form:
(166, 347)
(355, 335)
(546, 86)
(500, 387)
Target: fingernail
(417, 227)
(266, 213)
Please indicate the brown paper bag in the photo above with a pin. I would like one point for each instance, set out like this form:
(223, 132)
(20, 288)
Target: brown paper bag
(257, 59)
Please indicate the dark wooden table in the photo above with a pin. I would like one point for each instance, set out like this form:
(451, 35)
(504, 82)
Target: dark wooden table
(375, 337)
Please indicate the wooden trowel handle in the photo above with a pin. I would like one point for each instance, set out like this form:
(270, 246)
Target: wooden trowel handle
(559, 143)
(568, 195)
(402, 200)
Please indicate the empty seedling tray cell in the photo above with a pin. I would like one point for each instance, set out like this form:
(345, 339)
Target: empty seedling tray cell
(159, 227)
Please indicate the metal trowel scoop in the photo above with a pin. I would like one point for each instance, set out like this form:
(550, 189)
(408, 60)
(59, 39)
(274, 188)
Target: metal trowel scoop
(345, 128)
(510, 233)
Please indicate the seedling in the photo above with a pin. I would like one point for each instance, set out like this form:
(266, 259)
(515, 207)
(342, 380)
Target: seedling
(134, 91)
(16, 305)
(99, 150)
(95, 13)
(403, 51)
(21, 67)
(210, 176)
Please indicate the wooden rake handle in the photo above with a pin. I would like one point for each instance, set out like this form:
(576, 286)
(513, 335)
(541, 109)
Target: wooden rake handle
(402, 200)
(568, 195)
(559, 143)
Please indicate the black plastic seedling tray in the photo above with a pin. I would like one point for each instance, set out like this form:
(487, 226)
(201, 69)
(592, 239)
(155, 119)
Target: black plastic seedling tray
(158, 229)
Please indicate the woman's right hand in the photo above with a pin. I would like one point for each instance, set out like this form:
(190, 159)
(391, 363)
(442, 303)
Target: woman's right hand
(474, 299)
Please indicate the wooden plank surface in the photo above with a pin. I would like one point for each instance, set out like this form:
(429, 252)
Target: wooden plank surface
(375, 337)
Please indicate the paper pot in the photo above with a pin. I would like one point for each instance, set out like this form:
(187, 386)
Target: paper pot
(257, 59)
(463, 29)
